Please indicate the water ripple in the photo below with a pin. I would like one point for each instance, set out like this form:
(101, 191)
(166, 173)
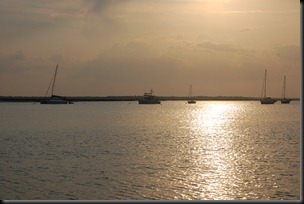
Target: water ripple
(210, 151)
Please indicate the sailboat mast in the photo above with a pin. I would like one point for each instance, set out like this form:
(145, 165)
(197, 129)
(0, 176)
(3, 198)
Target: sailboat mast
(284, 86)
(54, 79)
(265, 83)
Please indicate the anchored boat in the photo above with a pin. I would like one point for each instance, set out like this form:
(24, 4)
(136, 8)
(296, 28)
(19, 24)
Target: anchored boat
(190, 100)
(265, 99)
(54, 99)
(284, 99)
(149, 98)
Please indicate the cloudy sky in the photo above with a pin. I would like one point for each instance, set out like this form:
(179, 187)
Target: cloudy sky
(127, 47)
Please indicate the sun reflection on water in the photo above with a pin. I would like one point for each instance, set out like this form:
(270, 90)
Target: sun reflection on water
(211, 117)
(213, 150)
(213, 124)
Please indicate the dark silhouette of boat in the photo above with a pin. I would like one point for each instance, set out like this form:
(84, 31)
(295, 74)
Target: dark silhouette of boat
(284, 99)
(265, 99)
(54, 99)
(190, 101)
(149, 98)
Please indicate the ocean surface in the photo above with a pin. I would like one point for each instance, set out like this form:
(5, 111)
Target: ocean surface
(211, 150)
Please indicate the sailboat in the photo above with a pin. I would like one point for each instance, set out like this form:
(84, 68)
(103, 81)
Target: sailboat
(54, 99)
(190, 101)
(284, 99)
(266, 100)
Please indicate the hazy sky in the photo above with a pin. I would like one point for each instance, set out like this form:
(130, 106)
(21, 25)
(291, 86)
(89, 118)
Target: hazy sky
(127, 47)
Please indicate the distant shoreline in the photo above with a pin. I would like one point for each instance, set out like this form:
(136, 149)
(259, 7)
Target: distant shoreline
(132, 98)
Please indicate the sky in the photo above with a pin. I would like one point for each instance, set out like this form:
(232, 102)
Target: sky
(127, 47)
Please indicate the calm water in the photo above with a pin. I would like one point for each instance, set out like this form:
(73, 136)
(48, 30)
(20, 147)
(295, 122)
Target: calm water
(212, 150)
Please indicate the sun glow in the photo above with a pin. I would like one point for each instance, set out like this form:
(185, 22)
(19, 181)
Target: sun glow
(212, 117)
(215, 151)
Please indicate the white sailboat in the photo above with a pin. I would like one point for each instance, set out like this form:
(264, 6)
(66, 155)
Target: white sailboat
(190, 101)
(284, 99)
(265, 99)
(54, 99)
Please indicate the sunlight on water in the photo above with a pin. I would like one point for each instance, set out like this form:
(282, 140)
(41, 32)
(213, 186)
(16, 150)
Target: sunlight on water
(213, 150)
(214, 125)
(208, 123)
(209, 118)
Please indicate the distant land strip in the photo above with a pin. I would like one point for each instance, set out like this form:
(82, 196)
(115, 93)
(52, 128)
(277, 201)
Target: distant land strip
(132, 98)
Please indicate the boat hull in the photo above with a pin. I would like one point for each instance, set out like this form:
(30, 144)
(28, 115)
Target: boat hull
(55, 100)
(267, 101)
(285, 101)
(191, 102)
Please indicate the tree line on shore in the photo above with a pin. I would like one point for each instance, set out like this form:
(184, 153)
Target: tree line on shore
(127, 98)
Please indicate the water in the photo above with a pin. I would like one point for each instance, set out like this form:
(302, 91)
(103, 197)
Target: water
(211, 150)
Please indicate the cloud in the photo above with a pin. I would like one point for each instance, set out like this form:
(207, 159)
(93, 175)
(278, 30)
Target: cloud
(17, 56)
(135, 44)
(219, 47)
(132, 49)
(99, 6)
(245, 29)
(288, 52)
(21, 25)
(8, 62)
(28, 18)
(56, 58)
